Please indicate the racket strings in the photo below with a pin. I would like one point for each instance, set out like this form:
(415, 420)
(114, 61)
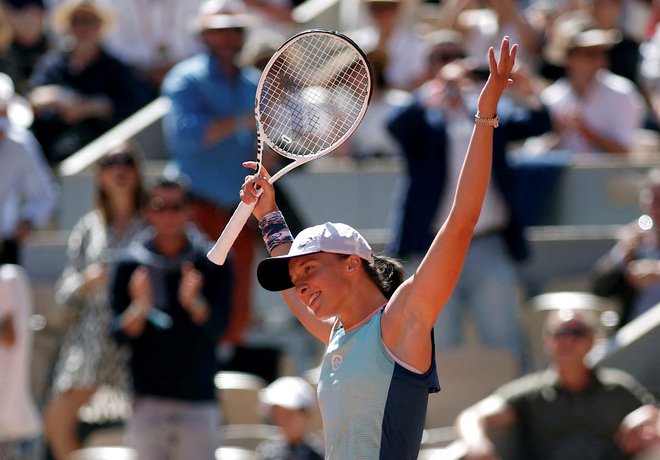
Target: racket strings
(313, 96)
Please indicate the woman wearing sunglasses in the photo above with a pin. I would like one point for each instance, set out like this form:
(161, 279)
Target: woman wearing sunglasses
(89, 357)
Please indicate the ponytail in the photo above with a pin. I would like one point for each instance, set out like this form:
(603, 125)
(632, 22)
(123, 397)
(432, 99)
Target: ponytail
(387, 273)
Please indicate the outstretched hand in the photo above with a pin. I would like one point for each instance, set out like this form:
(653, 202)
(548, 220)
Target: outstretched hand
(499, 78)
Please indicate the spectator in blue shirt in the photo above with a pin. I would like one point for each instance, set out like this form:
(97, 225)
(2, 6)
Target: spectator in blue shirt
(210, 132)
(28, 192)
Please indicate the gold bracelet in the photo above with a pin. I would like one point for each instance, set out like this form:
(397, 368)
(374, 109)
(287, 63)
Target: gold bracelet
(494, 122)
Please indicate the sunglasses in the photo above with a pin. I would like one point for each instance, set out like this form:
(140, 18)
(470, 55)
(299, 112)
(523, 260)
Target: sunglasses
(158, 206)
(84, 20)
(122, 159)
(382, 8)
(572, 332)
(445, 57)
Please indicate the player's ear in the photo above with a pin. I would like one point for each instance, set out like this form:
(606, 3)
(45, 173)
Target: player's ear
(353, 263)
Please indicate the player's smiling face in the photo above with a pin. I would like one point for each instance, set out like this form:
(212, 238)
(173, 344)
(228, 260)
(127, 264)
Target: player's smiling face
(320, 282)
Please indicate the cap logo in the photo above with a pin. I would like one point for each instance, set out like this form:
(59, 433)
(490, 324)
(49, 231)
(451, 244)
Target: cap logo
(302, 244)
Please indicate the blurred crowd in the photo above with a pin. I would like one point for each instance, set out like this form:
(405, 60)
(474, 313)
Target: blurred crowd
(154, 318)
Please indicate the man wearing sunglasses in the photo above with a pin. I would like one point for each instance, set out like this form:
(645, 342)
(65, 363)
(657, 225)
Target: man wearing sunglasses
(567, 411)
(171, 305)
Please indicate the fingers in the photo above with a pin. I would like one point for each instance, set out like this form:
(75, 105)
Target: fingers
(255, 165)
(187, 267)
(253, 187)
(251, 164)
(501, 67)
(512, 58)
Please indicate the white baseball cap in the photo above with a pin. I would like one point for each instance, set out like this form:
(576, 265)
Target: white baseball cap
(290, 392)
(336, 238)
(223, 14)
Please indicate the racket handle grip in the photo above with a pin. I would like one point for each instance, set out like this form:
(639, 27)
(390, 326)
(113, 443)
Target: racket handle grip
(219, 251)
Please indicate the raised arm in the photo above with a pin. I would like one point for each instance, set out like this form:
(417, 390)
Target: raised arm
(259, 187)
(413, 310)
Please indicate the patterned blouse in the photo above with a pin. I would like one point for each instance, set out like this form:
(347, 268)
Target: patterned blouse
(89, 356)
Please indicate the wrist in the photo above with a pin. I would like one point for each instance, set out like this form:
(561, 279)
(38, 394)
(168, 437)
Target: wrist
(199, 310)
(487, 120)
(198, 305)
(259, 215)
(138, 308)
(274, 230)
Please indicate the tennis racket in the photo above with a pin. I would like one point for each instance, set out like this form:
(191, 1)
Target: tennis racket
(311, 96)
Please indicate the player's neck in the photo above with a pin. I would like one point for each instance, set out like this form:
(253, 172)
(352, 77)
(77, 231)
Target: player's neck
(363, 303)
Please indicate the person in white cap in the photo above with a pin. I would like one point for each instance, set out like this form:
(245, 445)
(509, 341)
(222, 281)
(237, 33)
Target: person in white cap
(288, 402)
(379, 366)
(28, 192)
(593, 110)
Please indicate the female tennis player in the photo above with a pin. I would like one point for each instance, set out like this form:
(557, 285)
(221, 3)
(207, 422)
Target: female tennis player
(379, 365)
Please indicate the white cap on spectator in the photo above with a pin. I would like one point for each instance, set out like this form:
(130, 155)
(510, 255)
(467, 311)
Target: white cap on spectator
(292, 393)
(223, 14)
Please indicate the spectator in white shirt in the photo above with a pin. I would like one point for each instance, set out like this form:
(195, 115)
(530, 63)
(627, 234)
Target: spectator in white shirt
(389, 31)
(20, 427)
(153, 35)
(593, 110)
(28, 193)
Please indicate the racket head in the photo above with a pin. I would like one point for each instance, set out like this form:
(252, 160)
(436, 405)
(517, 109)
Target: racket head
(312, 94)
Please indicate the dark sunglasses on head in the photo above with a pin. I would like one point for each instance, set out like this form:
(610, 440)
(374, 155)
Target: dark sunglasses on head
(158, 206)
(573, 332)
(122, 159)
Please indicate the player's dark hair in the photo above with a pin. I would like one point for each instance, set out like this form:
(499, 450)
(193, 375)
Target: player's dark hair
(387, 273)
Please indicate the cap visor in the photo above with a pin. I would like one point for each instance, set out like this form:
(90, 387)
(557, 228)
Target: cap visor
(273, 273)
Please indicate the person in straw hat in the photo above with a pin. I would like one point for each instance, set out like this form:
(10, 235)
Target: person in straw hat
(79, 91)
(593, 110)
